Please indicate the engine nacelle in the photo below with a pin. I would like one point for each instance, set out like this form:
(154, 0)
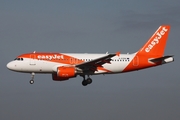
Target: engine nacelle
(64, 73)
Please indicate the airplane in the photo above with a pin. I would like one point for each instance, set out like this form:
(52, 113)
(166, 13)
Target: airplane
(63, 66)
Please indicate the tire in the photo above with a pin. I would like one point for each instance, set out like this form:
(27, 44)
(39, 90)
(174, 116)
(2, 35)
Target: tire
(84, 83)
(31, 81)
(89, 80)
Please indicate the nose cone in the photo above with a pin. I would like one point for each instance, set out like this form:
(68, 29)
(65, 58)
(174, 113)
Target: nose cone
(10, 66)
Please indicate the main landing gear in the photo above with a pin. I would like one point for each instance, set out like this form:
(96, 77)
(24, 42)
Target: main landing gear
(32, 78)
(87, 81)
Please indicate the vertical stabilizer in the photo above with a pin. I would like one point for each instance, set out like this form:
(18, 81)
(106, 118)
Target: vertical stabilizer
(156, 44)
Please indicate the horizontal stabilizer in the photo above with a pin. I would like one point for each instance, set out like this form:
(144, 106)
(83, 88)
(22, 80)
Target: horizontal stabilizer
(163, 60)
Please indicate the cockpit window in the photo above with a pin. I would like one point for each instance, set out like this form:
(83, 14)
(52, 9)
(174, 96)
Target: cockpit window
(19, 59)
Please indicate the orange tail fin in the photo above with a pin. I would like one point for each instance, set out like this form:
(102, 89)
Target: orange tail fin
(156, 44)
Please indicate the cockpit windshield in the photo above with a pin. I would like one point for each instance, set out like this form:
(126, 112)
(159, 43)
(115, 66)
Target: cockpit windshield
(19, 59)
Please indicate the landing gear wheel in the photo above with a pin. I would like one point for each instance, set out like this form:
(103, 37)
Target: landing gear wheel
(31, 81)
(84, 83)
(89, 80)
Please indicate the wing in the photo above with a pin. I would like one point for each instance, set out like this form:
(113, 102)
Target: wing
(91, 66)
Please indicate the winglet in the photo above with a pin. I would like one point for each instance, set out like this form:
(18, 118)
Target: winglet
(118, 54)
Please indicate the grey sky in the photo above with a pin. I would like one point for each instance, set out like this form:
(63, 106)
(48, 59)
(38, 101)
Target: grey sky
(95, 26)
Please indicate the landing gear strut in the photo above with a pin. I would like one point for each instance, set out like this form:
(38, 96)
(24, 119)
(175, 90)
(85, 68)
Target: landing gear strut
(32, 78)
(87, 81)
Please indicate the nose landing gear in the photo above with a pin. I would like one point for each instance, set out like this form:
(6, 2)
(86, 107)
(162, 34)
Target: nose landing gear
(32, 78)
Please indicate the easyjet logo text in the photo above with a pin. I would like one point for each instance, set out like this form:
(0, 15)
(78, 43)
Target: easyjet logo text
(50, 57)
(156, 39)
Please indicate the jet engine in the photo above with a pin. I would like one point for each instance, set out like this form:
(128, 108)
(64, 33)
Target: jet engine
(64, 73)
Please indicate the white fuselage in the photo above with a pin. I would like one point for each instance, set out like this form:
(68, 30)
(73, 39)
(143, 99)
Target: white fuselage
(29, 65)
